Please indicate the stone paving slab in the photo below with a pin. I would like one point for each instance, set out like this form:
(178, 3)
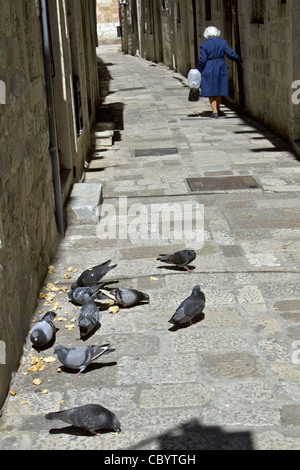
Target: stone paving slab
(232, 380)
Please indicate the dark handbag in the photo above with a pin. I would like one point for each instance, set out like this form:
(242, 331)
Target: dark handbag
(194, 94)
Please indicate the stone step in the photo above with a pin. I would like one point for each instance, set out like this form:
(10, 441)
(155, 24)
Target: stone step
(102, 135)
(83, 205)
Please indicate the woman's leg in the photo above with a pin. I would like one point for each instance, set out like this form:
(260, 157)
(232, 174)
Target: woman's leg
(219, 100)
(213, 103)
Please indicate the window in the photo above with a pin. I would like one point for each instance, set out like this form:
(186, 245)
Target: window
(258, 11)
(151, 17)
(178, 13)
(207, 10)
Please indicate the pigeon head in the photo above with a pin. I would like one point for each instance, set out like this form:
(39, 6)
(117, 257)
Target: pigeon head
(85, 324)
(116, 424)
(60, 350)
(38, 338)
(70, 294)
(196, 290)
(85, 327)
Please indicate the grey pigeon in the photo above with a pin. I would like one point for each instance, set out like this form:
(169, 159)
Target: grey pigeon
(81, 356)
(92, 276)
(90, 417)
(190, 308)
(179, 258)
(88, 316)
(127, 297)
(42, 332)
(78, 294)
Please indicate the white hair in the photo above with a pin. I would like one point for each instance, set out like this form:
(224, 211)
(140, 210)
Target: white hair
(211, 32)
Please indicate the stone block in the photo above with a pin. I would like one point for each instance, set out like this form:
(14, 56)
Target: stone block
(102, 135)
(83, 205)
(103, 139)
(290, 415)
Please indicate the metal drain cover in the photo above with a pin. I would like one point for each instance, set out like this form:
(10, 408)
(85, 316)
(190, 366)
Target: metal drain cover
(153, 152)
(132, 88)
(222, 183)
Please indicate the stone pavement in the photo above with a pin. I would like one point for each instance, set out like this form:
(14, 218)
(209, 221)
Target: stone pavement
(232, 380)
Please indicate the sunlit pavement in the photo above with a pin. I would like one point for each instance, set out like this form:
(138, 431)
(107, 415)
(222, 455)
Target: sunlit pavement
(231, 381)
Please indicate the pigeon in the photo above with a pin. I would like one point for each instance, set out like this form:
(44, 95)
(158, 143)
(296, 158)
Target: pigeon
(190, 308)
(88, 316)
(43, 331)
(81, 356)
(91, 417)
(92, 276)
(126, 297)
(78, 294)
(179, 258)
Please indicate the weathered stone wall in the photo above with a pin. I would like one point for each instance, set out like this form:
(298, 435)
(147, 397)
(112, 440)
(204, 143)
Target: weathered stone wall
(108, 21)
(295, 102)
(267, 46)
(130, 28)
(28, 229)
(28, 233)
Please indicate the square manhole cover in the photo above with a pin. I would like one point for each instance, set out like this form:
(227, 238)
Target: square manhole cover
(222, 183)
(155, 152)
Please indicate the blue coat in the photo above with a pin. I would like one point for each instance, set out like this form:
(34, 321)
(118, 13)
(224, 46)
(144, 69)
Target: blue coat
(213, 66)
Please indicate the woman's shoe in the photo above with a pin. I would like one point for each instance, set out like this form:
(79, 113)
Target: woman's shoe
(215, 116)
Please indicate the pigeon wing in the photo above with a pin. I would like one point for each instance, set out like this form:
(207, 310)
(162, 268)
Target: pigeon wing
(179, 258)
(77, 357)
(93, 275)
(187, 310)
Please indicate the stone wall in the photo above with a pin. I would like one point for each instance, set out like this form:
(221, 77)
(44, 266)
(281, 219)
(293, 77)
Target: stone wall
(28, 227)
(131, 25)
(108, 21)
(28, 231)
(266, 44)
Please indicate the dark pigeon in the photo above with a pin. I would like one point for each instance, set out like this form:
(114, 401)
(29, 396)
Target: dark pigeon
(127, 297)
(92, 417)
(78, 294)
(190, 308)
(88, 316)
(180, 259)
(81, 356)
(92, 276)
(43, 331)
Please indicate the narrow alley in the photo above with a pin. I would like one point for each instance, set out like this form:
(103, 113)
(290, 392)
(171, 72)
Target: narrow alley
(231, 381)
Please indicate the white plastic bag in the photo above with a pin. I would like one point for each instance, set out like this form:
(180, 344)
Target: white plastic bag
(194, 78)
(194, 81)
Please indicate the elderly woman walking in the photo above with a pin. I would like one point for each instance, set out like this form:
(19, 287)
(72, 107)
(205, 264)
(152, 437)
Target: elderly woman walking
(213, 67)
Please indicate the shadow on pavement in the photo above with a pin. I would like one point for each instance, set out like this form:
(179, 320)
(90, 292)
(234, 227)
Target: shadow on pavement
(193, 435)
